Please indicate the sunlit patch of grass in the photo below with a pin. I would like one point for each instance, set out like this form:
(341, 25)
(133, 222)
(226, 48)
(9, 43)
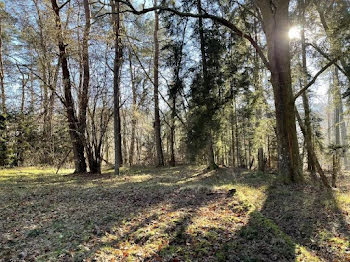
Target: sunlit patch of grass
(304, 255)
(164, 214)
(343, 200)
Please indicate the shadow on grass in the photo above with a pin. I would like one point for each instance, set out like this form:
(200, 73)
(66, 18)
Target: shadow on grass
(166, 214)
(294, 223)
(48, 216)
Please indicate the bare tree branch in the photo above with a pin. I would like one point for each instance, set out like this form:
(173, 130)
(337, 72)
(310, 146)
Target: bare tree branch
(63, 5)
(325, 55)
(204, 15)
(301, 91)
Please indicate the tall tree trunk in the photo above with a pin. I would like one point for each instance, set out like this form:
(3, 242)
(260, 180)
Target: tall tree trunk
(308, 129)
(84, 98)
(124, 136)
(157, 131)
(77, 143)
(233, 112)
(335, 49)
(337, 130)
(337, 103)
(329, 115)
(92, 151)
(172, 131)
(341, 124)
(116, 87)
(2, 75)
(313, 154)
(238, 144)
(259, 90)
(276, 25)
(211, 156)
(134, 112)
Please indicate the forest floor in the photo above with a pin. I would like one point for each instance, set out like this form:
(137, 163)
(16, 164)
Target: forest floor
(169, 214)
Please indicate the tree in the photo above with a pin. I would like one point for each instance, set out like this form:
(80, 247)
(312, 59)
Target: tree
(157, 126)
(206, 83)
(307, 111)
(2, 74)
(116, 86)
(73, 122)
(276, 25)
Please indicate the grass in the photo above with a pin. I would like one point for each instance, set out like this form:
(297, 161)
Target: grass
(169, 214)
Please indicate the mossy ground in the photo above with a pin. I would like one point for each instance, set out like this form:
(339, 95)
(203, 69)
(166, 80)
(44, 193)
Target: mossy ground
(169, 214)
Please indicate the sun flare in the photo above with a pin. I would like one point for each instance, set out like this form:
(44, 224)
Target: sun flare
(294, 32)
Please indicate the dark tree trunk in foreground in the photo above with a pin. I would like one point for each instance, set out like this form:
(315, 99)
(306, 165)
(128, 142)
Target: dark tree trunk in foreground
(77, 142)
(276, 26)
(157, 131)
(116, 87)
(211, 156)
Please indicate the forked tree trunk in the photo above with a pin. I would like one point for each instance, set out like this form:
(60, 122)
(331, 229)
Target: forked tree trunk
(276, 25)
(77, 143)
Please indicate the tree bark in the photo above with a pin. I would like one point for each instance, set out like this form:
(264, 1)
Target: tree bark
(308, 129)
(77, 143)
(84, 98)
(261, 160)
(313, 154)
(341, 126)
(157, 131)
(93, 157)
(211, 156)
(134, 112)
(233, 134)
(172, 132)
(2, 75)
(116, 86)
(276, 25)
(238, 145)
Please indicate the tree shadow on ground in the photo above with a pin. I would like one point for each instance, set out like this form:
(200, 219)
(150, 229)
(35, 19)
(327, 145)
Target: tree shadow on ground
(169, 214)
(62, 217)
(294, 223)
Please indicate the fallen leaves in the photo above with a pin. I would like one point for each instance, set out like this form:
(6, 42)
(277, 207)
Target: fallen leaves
(167, 215)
